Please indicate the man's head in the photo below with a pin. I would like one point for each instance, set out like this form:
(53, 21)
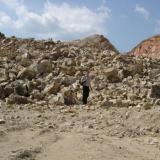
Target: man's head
(86, 72)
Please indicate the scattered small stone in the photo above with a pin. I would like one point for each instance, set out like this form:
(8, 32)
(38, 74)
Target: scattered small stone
(39, 116)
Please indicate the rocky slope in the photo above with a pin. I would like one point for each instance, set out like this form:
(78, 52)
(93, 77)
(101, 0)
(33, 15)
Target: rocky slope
(148, 48)
(34, 69)
(49, 71)
(39, 79)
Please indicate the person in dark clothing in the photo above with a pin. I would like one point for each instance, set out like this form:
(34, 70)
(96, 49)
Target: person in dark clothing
(86, 87)
(85, 94)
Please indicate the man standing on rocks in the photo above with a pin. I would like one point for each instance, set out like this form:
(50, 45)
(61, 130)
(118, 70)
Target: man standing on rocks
(86, 83)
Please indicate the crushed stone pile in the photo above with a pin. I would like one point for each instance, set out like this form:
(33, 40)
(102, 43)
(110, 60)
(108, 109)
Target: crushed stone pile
(44, 70)
(41, 100)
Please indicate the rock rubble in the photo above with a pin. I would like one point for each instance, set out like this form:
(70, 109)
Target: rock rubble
(44, 70)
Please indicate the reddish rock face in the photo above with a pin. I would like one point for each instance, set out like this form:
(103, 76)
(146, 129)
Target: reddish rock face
(148, 48)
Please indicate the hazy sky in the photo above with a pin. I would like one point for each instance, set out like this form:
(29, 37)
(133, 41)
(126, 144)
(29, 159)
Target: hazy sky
(124, 22)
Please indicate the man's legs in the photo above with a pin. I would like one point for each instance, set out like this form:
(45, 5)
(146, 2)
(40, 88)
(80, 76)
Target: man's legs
(85, 94)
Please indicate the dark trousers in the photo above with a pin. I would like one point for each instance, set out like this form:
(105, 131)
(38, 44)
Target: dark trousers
(85, 94)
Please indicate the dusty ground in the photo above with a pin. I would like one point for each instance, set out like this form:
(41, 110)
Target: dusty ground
(35, 132)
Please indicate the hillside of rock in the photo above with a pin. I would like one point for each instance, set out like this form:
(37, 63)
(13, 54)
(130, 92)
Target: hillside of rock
(41, 111)
(35, 69)
(148, 48)
(45, 70)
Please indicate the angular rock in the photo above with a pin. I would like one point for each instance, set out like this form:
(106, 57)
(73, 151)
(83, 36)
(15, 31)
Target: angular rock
(21, 89)
(16, 99)
(36, 84)
(2, 121)
(56, 99)
(112, 75)
(44, 66)
(147, 106)
(27, 73)
(132, 70)
(155, 91)
(2, 93)
(25, 62)
(106, 104)
(70, 97)
(8, 90)
(52, 88)
(37, 95)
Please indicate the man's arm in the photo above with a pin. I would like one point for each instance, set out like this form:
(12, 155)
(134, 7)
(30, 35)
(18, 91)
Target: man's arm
(90, 86)
(84, 78)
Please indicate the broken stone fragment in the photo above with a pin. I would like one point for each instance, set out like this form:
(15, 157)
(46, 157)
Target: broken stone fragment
(37, 95)
(16, 99)
(44, 66)
(2, 93)
(8, 90)
(56, 99)
(2, 121)
(69, 96)
(112, 75)
(21, 89)
(147, 106)
(52, 88)
(27, 73)
(155, 91)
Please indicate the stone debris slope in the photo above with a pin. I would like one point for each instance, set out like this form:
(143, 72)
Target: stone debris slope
(49, 71)
(40, 78)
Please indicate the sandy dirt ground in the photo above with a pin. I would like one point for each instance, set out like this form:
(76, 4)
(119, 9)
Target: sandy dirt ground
(58, 133)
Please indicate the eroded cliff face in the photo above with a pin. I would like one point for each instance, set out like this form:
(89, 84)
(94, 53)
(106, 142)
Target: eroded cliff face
(148, 48)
